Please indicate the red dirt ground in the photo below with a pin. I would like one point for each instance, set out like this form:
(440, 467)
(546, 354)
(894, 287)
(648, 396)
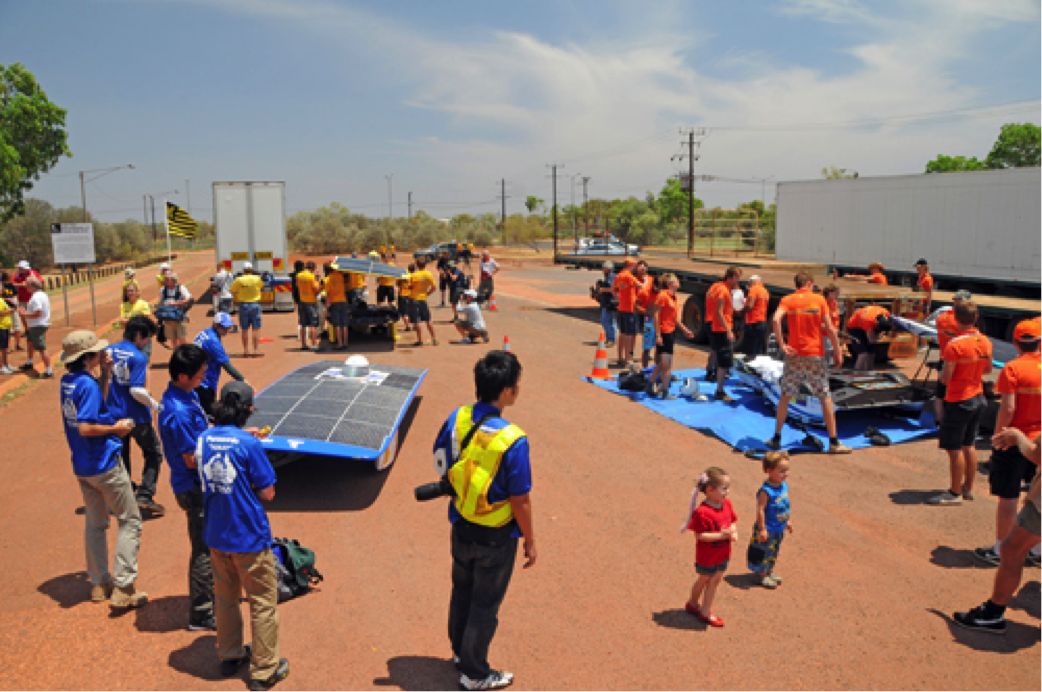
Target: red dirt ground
(872, 575)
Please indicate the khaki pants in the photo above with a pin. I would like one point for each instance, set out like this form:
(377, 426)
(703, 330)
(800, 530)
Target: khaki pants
(255, 574)
(111, 491)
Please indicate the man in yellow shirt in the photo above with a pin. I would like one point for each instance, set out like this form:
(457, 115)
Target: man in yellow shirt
(247, 291)
(405, 299)
(385, 286)
(338, 312)
(422, 286)
(307, 308)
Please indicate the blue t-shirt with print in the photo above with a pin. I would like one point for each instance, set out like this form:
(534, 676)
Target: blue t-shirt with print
(776, 513)
(129, 368)
(232, 467)
(181, 422)
(514, 476)
(82, 403)
(209, 341)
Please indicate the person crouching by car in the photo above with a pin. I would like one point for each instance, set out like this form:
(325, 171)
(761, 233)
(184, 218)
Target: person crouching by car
(472, 325)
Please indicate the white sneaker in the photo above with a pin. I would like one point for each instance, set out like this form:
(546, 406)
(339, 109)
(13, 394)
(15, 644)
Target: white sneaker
(945, 498)
(495, 681)
(7, 370)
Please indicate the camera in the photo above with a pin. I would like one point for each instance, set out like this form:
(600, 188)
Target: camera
(432, 491)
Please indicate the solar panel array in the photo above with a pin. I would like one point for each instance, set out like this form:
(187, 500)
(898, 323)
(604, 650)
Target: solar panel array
(306, 406)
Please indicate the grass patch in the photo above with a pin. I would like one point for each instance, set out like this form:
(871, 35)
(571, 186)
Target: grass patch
(18, 391)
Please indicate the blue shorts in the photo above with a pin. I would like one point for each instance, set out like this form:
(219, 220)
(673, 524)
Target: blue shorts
(249, 316)
(649, 334)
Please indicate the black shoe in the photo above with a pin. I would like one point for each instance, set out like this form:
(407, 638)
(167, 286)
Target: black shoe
(230, 667)
(280, 674)
(976, 620)
(147, 504)
(722, 396)
(710, 376)
(774, 443)
(205, 625)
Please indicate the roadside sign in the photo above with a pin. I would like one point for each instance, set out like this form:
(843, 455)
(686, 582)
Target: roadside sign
(73, 243)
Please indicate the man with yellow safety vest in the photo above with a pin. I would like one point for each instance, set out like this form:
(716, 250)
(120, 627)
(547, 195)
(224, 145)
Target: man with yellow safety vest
(488, 467)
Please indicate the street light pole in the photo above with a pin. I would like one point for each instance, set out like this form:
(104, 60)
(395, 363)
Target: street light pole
(90, 269)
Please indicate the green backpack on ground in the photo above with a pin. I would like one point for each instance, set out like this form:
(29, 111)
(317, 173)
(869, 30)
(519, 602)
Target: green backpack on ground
(296, 568)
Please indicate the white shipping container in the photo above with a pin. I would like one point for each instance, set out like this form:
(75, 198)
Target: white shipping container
(981, 224)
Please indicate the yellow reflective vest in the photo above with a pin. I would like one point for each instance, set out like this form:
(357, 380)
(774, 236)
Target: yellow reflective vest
(472, 475)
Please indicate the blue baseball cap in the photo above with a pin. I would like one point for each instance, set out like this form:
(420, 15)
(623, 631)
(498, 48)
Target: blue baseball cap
(223, 319)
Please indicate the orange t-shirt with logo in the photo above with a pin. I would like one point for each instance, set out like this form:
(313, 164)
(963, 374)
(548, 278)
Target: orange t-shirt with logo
(644, 298)
(759, 310)
(335, 290)
(971, 353)
(865, 318)
(804, 309)
(878, 279)
(947, 329)
(926, 282)
(667, 304)
(720, 294)
(1023, 378)
(628, 285)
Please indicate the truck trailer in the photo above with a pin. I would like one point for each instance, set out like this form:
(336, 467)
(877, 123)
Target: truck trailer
(250, 226)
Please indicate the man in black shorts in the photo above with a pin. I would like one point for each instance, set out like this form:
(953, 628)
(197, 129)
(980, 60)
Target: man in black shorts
(443, 274)
(721, 340)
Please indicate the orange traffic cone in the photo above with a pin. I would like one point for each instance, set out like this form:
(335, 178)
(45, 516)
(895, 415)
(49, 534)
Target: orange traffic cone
(492, 304)
(506, 343)
(600, 362)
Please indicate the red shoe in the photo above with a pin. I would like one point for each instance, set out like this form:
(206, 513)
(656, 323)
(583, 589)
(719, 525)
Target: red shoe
(713, 621)
(693, 609)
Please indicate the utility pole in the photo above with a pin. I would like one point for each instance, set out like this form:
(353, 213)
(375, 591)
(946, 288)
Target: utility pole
(503, 200)
(555, 166)
(586, 206)
(410, 204)
(692, 146)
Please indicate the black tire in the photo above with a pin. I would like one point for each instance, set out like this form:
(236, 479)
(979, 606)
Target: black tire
(693, 317)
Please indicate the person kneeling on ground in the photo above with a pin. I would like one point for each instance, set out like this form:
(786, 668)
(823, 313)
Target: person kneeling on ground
(472, 325)
(94, 435)
(236, 476)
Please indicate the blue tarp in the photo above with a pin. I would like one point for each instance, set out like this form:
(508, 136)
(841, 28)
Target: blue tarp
(748, 422)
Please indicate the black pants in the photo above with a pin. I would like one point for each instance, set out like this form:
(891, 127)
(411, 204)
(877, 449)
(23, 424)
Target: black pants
(755, 340)
(206, 399)
(480, 577)
(147, 440)
(200, 572)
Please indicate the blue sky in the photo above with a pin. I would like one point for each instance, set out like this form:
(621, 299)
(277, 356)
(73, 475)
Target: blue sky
(450, 97)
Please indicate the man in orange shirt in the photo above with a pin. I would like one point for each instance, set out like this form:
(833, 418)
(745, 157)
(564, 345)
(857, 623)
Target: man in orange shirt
(808, 316)
(307, 309)
(721, 339)
(925, 282)
(875, 276)
(1020, 384)
(947, 329)
(864, 328)
(967, 359)
(755, 342)
(646, 295)
(625, 289)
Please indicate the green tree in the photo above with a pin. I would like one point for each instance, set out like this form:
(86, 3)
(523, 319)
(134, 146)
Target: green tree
(32, 137)
(1017, 146)
(532, 203)
(953, 164)
(673, 203)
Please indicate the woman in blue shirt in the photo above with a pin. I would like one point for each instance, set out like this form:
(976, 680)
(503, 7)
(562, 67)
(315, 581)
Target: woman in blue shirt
(236, 475)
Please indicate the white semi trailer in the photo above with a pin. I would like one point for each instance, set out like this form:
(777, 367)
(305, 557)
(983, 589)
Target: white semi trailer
(250, 226)
(978, 230)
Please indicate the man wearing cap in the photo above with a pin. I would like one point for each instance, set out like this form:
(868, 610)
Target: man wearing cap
(489, 268)
(174, 295)
(181, 422)
(925, 283)
(307, 309)
(164, 269)
(93, 435)
(130, 277)
(472, 325)
(947, 329)
(864, 327)
(1016, 545)
(210, 341)
(967, 359)
(1020, 384)
(456, 281)
(20, 279)
(755, 341)
(220, 287)
(875, 276)
(36, 315)
(247, 290)
(128, 398)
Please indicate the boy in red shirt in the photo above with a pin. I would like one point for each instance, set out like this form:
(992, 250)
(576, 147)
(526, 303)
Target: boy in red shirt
(808, 315)
(721, 339)
(1020, 384)
(625, 289)
(967, 359)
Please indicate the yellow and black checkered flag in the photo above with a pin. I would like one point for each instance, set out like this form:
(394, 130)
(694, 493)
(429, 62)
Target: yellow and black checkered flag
(179, 223)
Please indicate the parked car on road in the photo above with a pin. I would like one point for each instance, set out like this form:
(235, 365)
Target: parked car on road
(434, 251)
(608, 247)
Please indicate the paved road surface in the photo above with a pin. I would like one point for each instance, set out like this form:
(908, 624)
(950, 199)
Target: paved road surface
(871, 573)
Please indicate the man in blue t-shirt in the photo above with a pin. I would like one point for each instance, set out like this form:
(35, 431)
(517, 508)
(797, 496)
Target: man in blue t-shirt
(210, 341)
(486, 521)
(128, 398)
(236, 476)
(93, 434)
(181, 422)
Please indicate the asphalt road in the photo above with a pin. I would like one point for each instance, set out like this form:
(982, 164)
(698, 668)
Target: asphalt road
(871, 573)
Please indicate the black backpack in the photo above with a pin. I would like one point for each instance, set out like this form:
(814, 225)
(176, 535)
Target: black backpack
(632, 381)
(295, 565)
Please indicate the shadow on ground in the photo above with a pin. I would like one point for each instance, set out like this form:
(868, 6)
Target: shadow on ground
(419, 673)
(161, 615)
(913, 497)
(67, 590)
(312, 483)
(678, 619)
(954, 558)
(743, 581)
(199, 659)
(1018, 636)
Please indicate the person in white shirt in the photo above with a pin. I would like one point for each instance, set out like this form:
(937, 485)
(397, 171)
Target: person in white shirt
(220, 286)
(37, 317)
(489, 268)
(174, 295)
(470, 324)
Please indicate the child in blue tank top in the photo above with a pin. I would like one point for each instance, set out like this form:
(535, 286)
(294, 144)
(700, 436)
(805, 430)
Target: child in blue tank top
(772, 519)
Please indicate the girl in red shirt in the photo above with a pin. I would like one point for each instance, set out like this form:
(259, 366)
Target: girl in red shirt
(714, 526)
